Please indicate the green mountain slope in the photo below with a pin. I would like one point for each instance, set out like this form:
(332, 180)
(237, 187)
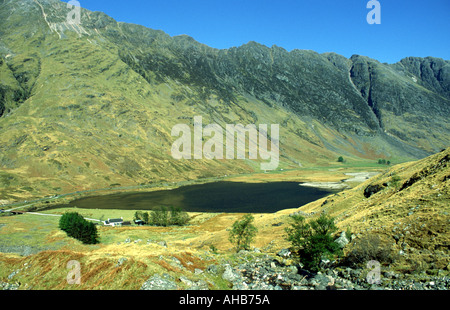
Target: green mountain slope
(90, 105)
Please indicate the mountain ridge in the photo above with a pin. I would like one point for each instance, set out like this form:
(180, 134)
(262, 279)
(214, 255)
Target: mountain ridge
(93, 104)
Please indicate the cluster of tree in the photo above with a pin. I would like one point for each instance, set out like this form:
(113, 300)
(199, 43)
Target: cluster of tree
(163, 217)
(384, 162)
(380, 161)
(311, 241)
(77, 227)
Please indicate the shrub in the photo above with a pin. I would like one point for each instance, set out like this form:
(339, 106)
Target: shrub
(242, 232)
(395, 181)
(313, 241)
(370, 247)
(77, 227)
(340, 159)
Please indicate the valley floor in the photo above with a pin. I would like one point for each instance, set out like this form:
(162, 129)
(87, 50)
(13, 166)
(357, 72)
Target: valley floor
(35, 253)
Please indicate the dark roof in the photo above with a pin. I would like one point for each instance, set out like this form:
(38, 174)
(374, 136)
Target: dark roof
(114, 221)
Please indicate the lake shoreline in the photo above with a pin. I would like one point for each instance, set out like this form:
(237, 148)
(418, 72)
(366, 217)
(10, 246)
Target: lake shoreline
(215, 197)
(331, 180)
(358, 177)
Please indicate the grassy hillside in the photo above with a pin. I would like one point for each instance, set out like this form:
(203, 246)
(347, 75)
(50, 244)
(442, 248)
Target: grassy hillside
(92, 105)
(412, 213)
(412, 217)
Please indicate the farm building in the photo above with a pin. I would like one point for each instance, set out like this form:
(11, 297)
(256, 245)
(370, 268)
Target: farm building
(113, 222)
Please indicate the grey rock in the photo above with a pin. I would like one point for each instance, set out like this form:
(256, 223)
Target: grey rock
(9, 286)
(284, 253)
(213, 269)
(162, 243)
(158, 282)
(230, 275)
(194, 285)
(342, 241)
(121, 261)
(13, 274)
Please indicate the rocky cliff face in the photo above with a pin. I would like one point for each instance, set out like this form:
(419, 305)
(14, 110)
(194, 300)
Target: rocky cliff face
(357, 95)
(93, 104)
(432, 73)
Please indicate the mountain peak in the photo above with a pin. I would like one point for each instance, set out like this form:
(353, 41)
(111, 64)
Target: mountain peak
(99, 100)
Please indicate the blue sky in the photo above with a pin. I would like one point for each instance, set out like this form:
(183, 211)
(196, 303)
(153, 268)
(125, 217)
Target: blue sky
(408, 27)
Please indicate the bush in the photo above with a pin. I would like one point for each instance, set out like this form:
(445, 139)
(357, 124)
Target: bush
(77, 227)
(340, 159)
(242, 233)
(370, 247)
(313, 241)
(395, 181)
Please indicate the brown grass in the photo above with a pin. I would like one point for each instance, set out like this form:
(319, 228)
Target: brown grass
(190, 261)
(386, 213)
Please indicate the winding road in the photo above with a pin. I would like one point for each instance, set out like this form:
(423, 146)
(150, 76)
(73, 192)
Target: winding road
(43, 214)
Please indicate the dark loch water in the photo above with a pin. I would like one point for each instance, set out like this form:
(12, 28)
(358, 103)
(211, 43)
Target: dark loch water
(228, 197)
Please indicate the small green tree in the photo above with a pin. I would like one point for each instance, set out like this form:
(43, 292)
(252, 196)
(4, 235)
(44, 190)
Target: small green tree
(145, 217)
(313, 241)
(172, 217)
(340, 159)
(178, 217)
(88, 233)
(395, 181)
(242, 232)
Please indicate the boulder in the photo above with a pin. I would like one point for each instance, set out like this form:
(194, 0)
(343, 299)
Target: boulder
(284, 253)
(342, 241)
(159, 283)
(230, 275)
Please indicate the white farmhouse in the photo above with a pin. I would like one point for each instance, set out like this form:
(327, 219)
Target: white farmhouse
(113, 222)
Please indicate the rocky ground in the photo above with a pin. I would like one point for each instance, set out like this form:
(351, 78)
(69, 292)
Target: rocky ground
(265, 272)
(357, 177)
